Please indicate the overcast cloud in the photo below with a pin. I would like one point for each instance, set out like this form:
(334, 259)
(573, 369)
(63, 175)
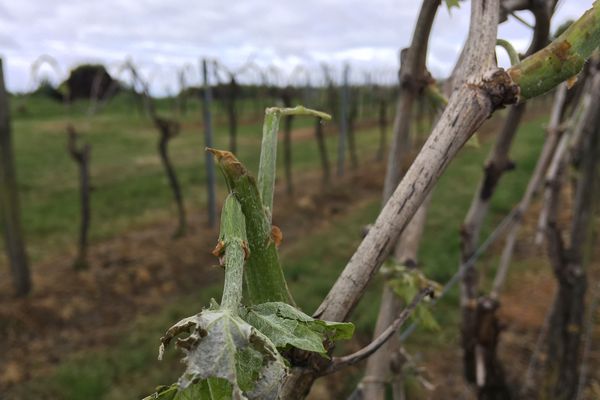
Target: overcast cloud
(161, 36)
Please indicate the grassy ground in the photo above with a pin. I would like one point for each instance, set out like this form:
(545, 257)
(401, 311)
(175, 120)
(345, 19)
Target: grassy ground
(130, 187)
(130, 190)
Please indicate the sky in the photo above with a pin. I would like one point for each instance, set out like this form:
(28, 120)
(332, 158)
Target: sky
(163, 37)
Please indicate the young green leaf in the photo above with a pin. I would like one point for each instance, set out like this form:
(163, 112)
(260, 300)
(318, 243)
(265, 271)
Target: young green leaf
(288, 326)
(427, 319)
(406, 283)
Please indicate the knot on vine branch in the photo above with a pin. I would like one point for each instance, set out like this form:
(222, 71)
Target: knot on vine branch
(499, 87)
(416, 83)
(492, 173)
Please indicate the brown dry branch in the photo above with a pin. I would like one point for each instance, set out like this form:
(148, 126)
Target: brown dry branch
(413, 79)
(81, 156)
(167, 129)
(565, 154)
(567, 260)
(554, 133)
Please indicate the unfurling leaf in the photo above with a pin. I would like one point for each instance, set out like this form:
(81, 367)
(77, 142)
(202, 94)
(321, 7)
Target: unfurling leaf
(406, 283)
(427, 319)
(287, 326)
(219, 344)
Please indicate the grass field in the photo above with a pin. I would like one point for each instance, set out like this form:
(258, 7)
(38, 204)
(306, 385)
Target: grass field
(129, 184)
(130, 191)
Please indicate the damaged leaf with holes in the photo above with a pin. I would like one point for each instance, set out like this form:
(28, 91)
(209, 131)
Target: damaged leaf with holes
(406, 283)
(219, 344)
(287, 326)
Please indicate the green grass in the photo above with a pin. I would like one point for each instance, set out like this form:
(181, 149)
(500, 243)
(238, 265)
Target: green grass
(129, 368)
(129, 185)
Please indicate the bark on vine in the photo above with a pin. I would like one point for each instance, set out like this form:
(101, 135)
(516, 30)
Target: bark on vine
(479, 326)
(167, 130)
(568, 262)
(412, 73)
(10, 213)
(487, 89)
(81, 155)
